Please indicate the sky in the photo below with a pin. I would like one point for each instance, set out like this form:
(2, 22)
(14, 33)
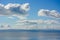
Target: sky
(30, 14)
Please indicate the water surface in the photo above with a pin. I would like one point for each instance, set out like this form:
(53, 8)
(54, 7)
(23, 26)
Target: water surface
(29, 34)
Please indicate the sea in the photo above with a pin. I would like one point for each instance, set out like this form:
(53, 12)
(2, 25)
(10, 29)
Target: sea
(13, 34)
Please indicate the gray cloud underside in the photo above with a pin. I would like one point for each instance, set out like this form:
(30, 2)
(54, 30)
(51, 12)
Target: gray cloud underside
(49, 13)
(37, 24)
(33, 24)
(14, 9)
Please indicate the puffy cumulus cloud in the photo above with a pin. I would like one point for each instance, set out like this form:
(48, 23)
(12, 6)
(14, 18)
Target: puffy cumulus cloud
(49, 13)
(25, 6)
(11, 9)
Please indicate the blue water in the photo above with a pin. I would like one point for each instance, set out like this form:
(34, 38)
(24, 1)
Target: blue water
(29, 34)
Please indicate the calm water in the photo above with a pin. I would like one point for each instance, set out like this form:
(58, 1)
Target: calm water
(29, 34)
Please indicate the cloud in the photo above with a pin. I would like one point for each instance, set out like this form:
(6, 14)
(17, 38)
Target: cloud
(37, 24)
(21, 11)
(1, 5)
(11, 9)
(4, 26)
(49, 13)
(51, 22)
(33, 24)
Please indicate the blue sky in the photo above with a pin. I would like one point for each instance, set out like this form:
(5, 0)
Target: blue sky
(53, 6)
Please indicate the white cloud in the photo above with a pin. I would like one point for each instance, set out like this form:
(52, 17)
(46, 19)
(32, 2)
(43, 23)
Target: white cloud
(25, 6)
(4, 26)
(14, 9)
(51, 22)
(10, 17)
(10, 5)
(20, 11)
(37, 24)
(33, 24)
(49, 13)
(1, 5)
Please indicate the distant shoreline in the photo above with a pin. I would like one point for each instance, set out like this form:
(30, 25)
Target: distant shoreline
(20, 30)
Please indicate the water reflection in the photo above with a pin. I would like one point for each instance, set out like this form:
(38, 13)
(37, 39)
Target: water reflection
(29, 35)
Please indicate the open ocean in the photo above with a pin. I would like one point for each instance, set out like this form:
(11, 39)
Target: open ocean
(29, 34)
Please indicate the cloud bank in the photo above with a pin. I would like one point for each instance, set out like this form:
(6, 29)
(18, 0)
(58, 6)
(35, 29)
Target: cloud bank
(32, 24)
(37, 24)
(49, 13)
(18, 10)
